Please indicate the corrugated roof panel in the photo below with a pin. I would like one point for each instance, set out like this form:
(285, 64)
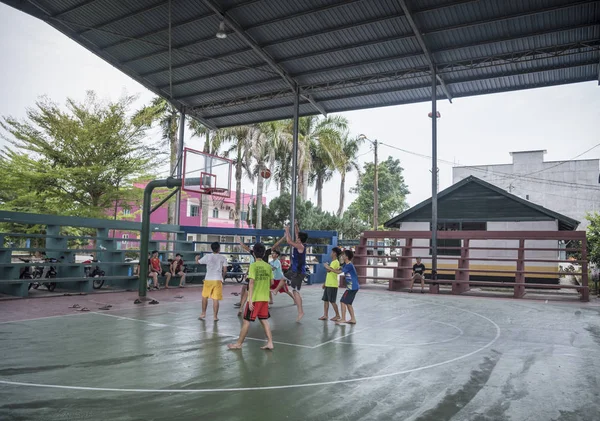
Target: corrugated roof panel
(356, 71)
(247, 89)
(472, 42)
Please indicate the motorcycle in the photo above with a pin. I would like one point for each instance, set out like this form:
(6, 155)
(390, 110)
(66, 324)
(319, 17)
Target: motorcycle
(95, 272)
(235, 271)
(25, 272)
(38, 273)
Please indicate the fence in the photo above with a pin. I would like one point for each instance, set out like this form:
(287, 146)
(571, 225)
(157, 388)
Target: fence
(105, 238)
(522, 261)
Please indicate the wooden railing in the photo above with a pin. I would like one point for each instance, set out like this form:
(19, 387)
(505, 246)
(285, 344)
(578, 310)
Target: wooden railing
(516, 259)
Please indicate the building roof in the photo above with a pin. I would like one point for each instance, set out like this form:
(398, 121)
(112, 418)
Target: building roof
(473, 199)
(342, 54)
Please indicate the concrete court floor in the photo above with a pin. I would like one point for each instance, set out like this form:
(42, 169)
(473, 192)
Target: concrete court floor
(410, 357)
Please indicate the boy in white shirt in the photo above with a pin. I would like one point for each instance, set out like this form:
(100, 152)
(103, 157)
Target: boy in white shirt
(216, 268)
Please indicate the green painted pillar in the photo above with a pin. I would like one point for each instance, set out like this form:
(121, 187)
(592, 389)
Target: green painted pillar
(145, 235)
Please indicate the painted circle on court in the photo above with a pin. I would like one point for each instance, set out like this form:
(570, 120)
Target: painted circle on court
(288, 386)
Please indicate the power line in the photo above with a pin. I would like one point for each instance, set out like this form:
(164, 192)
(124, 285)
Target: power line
(562, 162)
(508, 175)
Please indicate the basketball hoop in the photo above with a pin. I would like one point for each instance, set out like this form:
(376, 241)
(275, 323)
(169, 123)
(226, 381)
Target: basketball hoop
(215, 194)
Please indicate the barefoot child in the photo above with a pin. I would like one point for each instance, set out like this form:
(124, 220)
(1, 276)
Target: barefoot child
(330, 287)
(260, 278)
(216, 268)
(279, 283)
(297, 271)
(352, 288)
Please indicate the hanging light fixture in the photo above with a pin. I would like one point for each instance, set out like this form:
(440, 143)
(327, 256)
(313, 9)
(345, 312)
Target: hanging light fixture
(221, 34)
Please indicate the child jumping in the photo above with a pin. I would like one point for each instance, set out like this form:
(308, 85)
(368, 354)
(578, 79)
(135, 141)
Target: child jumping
(352, 288)
(216, 268)
(260, 278)
(330, 287)
(297, 272)
(279, 283)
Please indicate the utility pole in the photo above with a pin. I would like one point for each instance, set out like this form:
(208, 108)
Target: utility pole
(376, 191)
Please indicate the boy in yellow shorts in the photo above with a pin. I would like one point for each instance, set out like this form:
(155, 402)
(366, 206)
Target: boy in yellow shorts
(216, 268)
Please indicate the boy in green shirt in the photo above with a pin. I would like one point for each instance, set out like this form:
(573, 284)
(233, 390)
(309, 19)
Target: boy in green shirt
(260, 278)
(330, 287)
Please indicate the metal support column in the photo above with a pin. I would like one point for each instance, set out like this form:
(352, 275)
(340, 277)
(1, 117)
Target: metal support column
(145, 234)
(295, 160)
(434, 189)
(179, 166)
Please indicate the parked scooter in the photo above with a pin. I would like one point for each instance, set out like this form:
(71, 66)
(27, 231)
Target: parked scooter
(94, 272)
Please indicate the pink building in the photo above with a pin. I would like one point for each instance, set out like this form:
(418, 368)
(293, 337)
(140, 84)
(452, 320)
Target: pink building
(220, 215)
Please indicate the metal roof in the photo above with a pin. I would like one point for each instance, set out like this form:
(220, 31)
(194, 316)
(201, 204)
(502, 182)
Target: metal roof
(477, 206)
(343, 54)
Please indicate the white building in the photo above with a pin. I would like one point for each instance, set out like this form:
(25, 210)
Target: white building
(568, 187)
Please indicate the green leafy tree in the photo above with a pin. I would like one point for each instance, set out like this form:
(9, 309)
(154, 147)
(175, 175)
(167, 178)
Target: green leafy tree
(392, 191)
(593, 237)
(78, 160)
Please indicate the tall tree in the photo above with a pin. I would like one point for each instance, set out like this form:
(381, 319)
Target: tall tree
(348, 163)
(323, 132)
(161, 111)
(211, 144)
(593, 237)
(242, 140)
(77, 160)
(391, 188)
(272, 135)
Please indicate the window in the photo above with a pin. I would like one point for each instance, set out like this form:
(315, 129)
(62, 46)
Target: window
(244, 216)
(231, 214)
(126, 211)
(215, 213)
(451, 247)
(193, 207)
(124, 243)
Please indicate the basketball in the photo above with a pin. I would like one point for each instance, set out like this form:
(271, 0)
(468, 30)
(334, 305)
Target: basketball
(265, 173)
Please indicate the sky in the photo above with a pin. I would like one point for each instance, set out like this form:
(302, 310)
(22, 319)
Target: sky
(564, 120)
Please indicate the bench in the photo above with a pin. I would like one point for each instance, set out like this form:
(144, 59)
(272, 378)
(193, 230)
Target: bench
(20, 287)
(460, 286)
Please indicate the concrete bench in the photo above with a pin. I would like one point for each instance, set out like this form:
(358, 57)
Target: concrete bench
(20, 287)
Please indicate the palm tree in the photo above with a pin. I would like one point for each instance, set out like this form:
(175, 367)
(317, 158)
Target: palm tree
(242, 140)
(322, 170)
(162, 112)
(350, 147)
(272, 138)
(212, 144)
(323, 132)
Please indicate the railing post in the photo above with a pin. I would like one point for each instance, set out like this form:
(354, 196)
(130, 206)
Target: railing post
(585, 291)
(520, 273)
(461, 277)
(361, 250)
(404, 262)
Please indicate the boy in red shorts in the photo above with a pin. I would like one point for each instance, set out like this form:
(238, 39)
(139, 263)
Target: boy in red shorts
(260, 279)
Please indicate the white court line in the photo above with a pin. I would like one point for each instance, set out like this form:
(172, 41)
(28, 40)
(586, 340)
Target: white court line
(413, 344)
(197, 330)
(44, 318)
(362, 330)
(289, 386)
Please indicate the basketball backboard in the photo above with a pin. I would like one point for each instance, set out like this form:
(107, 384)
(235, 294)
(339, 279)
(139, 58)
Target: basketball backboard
(206, 174)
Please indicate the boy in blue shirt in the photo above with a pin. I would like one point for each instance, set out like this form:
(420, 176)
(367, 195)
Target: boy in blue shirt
(352, 287)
